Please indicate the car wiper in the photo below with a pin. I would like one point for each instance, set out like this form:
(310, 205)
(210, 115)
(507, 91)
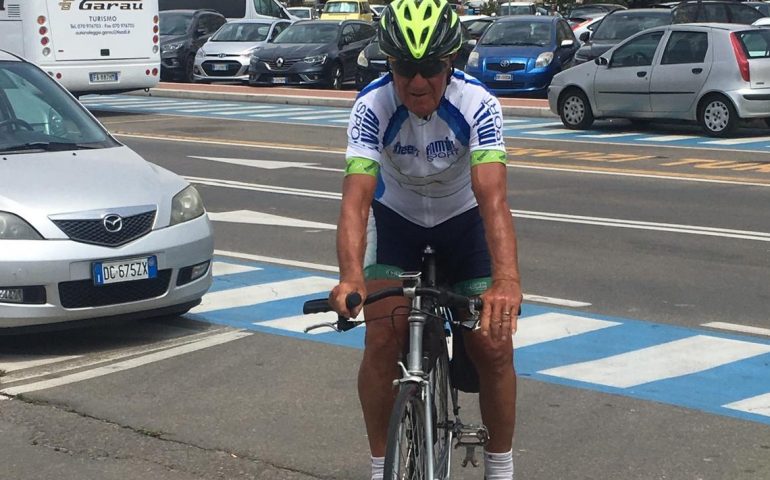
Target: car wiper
(48, 147)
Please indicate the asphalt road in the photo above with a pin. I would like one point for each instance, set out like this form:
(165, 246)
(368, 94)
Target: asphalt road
(655, 234)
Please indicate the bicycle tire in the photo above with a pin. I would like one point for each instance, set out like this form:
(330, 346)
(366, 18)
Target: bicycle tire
(406, 437)
(442, 431)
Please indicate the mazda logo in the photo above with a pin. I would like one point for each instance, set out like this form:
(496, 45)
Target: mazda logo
(504, 63)
(279, 62)
(113, 223)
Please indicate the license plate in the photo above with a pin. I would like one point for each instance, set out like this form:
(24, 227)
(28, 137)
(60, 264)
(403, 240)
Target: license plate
(219, 67)
(503, 77)
(102, 77)
(279, 79)
(126, 270)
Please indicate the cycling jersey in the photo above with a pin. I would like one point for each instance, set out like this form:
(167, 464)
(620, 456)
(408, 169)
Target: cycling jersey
(424, 163)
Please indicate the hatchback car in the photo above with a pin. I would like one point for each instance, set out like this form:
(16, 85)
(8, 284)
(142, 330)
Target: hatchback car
(517, 8)
(87, 227)
(714, 74)
(182, 33)
(227, 54)
(616, 27)
(312, 52)
(716, 11)
(303, 13)
(347, 10)
(520, 54)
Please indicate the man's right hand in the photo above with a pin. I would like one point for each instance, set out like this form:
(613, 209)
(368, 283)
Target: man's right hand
(340, 293)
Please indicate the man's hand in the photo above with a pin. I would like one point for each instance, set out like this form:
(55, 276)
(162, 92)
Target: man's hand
(501, 307)
(340, 293)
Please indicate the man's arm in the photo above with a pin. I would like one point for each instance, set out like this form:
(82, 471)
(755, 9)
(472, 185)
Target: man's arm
(489, 181)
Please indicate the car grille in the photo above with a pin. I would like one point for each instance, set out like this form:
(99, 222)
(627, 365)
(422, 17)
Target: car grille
(83, 293)
(504, 85)
(511, 67)
(93, 231)
(232, 68)
(287, 63)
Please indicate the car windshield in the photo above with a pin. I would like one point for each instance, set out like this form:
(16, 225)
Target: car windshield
(583, 12)
(311, 32)
(37, 114)
(300, 13)
(174, 23)
(242, 32)
(620, 26)
(514, 10)
(341, 7)
(518, 34)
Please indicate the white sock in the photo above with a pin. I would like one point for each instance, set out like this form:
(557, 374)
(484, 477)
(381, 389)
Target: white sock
(378, 468)
(498, 466)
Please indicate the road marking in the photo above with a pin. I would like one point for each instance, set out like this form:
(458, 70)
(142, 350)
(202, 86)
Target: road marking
(266, 292)
(759, 405)
(261, 218)
(283, 112)
(128, 364)
(552, 131)
(737, 141)
(738, 328)
(225, 268)
(556, 301)
(299, 323)
(209, 107)
(668, 138)
(322, 116)
(551, 326)
(609, 135)
(660, 362)
(12, 363)
(146, 104)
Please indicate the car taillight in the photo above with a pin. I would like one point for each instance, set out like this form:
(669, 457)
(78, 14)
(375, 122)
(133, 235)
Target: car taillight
(740, 57)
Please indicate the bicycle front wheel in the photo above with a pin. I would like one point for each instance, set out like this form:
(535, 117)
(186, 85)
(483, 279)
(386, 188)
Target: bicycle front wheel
(405, 455)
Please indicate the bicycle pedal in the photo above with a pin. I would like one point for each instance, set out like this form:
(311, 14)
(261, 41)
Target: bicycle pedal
(470, 456)
(471, 436)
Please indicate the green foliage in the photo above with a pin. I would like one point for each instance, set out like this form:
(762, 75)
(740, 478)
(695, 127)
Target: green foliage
(489, 7)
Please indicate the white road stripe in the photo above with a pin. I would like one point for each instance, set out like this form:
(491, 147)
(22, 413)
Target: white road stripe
(609, 135)
(223, 268)
(759, 405)
(555, 301)
(266, 292)
(668, 138)
(551, 131)
(128, 364)
(512, 121)
(145, 104)
(299, 323)
(261, 218)
(660, 362)
(341, 120)
(554, 326)
(738, 328)
(328, 116)
(12, 363)
(283, 113)
(209, 107)
(176, 105)
(245, 109)
(736, 141)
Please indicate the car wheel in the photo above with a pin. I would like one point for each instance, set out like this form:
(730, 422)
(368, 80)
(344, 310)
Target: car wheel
(575, 110)
(335, 82)
(717, 116)
(188, 69)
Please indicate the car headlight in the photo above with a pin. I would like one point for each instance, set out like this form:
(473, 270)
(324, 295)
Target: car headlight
(362, 60)
(14, 228)
(315, 59)
(473, 59)
(254, 61)
(186, 205)
(544, 59)
(200, 53)
(171, 47)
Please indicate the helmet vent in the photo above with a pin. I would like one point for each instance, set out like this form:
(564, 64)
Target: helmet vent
(424, 35)
(428, 13)
(408, 14)
(411, 36)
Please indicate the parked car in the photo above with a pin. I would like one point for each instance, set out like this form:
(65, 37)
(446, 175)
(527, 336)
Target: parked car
(763, 7)
(372, 63)
(347, 10)
(517, 8)
(520, 54)
(227, 54)
(312, 52)
(182, 33)
(713, 74)
(719, 11)
(617, 26)
(592, 9)
(476, 25)
(87, 227)
(303, 13)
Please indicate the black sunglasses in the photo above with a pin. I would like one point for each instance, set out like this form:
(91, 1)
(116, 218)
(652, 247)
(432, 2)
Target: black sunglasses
(426, 69)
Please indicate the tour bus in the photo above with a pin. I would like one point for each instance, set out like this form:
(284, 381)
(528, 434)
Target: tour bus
(232, 9)
(89, 46)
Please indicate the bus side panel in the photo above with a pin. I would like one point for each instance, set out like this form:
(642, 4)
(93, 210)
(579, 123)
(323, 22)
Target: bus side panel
(12, 36)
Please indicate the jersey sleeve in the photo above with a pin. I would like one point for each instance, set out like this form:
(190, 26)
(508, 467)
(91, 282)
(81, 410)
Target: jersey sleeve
(486, 142)
(365, 133)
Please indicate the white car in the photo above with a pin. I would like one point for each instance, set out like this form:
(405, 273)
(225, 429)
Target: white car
(227, 54)
(588, 25)
(88, 229)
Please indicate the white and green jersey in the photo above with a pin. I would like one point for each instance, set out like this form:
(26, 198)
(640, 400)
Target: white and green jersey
(423, 165)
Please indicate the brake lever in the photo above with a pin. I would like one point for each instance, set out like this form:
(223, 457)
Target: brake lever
(332, 325)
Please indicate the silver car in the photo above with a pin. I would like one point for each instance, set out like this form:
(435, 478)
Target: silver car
(87, 227)
(714, 74)
(226, 55)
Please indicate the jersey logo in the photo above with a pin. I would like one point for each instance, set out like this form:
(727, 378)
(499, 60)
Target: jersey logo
(441, 149)
(410, 150)
(489, 123)
(365, 128)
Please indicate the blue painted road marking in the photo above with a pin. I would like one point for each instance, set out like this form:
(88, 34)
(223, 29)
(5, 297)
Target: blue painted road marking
(519, 127)
(714, 372)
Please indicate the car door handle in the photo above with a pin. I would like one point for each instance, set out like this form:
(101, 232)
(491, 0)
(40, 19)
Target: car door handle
(641, 74)
(697, 70)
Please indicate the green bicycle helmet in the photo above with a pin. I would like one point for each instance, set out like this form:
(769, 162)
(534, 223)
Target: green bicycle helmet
(415, 30)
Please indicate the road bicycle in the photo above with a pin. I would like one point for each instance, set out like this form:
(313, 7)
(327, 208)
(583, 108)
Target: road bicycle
(420, 430)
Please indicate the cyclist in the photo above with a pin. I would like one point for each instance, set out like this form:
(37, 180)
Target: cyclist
(426, 164)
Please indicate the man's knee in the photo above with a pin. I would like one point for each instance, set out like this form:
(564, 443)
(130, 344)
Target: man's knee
(489, 355)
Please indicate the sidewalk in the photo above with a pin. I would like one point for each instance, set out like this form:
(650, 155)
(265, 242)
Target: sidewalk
(528, 107)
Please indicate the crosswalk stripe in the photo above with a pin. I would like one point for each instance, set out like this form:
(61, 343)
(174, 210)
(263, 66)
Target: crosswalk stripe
(146, 104)
(554, 326)
(243, 110)
(668, 138)
(660, 362)
(209, 107)
(283, 113)
(609, 135)
(322, 116)
(736, 141)
(266, 292)
(551, 131)
(299, 323)
(759, 405)
(223, 268)
(12, 363)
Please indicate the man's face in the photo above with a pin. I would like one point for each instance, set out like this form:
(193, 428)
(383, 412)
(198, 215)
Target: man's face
(420, 86)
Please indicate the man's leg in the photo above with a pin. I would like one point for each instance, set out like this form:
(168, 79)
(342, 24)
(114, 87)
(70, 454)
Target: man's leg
(384, 340)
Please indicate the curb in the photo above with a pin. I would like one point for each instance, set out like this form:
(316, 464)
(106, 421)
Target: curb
(508, 110)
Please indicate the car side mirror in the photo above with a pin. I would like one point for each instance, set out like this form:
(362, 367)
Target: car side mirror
(567, 43)
(585, 36)
(602, 61)
(200, 32)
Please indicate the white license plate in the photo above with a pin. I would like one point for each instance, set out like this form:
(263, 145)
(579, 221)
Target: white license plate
(503, 77)
(102, 77)
(105, 273)
(279, 79)
(219, 67)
